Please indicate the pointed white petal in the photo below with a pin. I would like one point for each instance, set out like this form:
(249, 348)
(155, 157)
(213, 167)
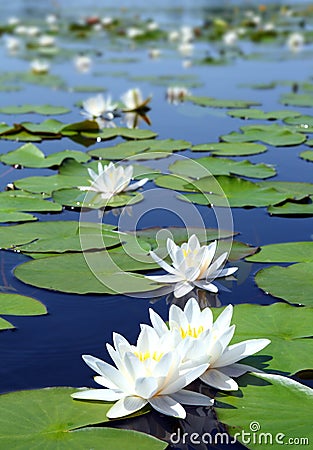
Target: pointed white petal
(218, 380)
(162, 263)
(211, 251)
(184, 379)
(227, 272)
(146, 387)
(207, 286)
(192, 398)
(91, 361)
(158, 323)
(182, 289)
(166, 405)
(137, 185)
(103, 381)
(106, 395)
(236, 370)
(193, 243)
(224, 319)
(164, 278)
(112, 374)
(213, 269)
(192, 311)
(126, 406)
(238, 351)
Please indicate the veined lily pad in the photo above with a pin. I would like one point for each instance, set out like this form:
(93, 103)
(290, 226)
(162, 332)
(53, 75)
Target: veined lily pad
(292, 209)
(49, 418)
(307, 155)
(38, 109)
(18, 305)
(268, 409)
(221, 166)
(258, 114)
(288, 328)
(295, 99)
(219, 103)
(293, 283)
(230, 149)
(275, 135)
(30, 156)
(285, 252)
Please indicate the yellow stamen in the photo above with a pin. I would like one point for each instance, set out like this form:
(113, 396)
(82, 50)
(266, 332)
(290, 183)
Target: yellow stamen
(193, 332)
(147, 355)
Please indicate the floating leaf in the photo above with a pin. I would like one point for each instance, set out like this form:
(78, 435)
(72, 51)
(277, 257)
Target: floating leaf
(49, 418)
(284, 252)
(49, 126)
(293, 283)
(295, 99)
(90, 88)
(304, 124)
(7, 215)
(218, 103)
(292, 209)
(19, 305)
(307, 155)
(78, 199)
(47, 110)
(230, 149)
(292, 189)
(258, 114)
(22, 136)
(30, 156)
(267, 409)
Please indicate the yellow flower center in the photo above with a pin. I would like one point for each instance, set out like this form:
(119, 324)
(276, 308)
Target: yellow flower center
(143, 356)
(186, 253)
(193, 332)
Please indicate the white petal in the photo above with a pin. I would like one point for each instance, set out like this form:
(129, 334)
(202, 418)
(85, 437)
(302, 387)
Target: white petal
(192, 398)
(238, 351)
(162, 263)
(236, 370)
(113, 375)
(192, 311)
(177, 317)
(138, 184)
(192, 273)
(182, 289)
(207, 286)
(218, 380)
(126, 406)
(164, 278)
(227, 272)
(146, 387)
(184, 379)
(91, 361)
(211, 251)
(166, 405)
(224, 319)
(211, 272)
(171, 248)
(106, 395)
(158, 323)
(105, 382)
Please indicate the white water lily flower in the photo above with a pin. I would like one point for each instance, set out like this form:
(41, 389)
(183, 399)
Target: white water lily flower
(230, 38)
(186, 49)
(133, 100)
(95, 107)
(83, 63)
(209, 342)
(12, 44)
(192, 266)
(295, 42)
(46, 41)
(111, 180)
(176, 94)
(39, 67)
(146, 373)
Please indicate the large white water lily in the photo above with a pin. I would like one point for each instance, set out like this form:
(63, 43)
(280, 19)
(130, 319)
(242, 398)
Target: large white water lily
(133, 100)
(209, 342)
(97, 106)
(111, 180)
(149, 372)
(192, 265)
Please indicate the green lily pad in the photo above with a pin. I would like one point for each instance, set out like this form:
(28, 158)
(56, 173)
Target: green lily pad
(293, 283)
(292, 209)
(309, 143)
(292, 189)
(258, 114)
(144, 149)
(202, 167)
(8, 215)
(285, 252)
(307, 155)
(30, 156)
(288, 328)
(19, 305)
(49, 418)
(267, 408)
(21, 136)
(47, 110)
(304, 124)
(230, 149)
(90, 88)
(49, 126)
(295, 99)
(275, 135)
(219, 103)
(90, 129)
(19, 201)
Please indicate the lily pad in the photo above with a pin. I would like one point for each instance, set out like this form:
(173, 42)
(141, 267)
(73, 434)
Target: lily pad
(202, 167)
(47, 110)
(49, 126)
(219, 103)
(80, 199)
(307, 155)
(267, 408)
(276, 135)
(230, 149)
(304, 124)
(295, 99)
(19, 305)
(30, 156)
(49, 418)
(292, 209)
(7, 215)
(285, 252)
(259, 114)
(293, 283)
(292, 189)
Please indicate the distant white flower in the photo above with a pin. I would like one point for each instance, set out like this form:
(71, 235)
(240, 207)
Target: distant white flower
(186, 63)
(51, 19)
(46, 41)
(154, 53)
(32, 31)
(83, 63)
(20, 29)
(12, 44)
(106, 21)
(95, 107)
(295, 42)
(269, 26)
(209, 342)
(148, 373)
(173, 36)
(185, 49)
(112, 180)
(186, 34)
(12, 21)
(39, 67)
(133, 32)
(133, 100)
(152, 26)
(230, 38)
(176, 94)
(191, 267)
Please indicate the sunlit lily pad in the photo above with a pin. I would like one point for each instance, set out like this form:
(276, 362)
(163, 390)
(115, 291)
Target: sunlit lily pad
(220, 103)
(48, 126)
(295, 99)
(230, 149)
(304, 124)
(22, 136)
(8, 215)
(307, 155)
(221, 166)
(292, 209)
(273, 405)
(30, 156)
(259, 114)
(50, 418)
(47, 110)
(293, 283)
(284, 252)
(18, 305)
(293, 189)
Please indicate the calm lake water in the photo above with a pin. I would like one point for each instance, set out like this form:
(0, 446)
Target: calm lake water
(46, 351)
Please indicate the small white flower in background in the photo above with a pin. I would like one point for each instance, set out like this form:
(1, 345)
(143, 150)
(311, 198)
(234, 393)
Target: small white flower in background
(173, 36)
(269, 26)
(32, 31)
(185, 48)
(12, 44)
(149, 372)
(186, 63)
(133, 32)
(20, 29)
(295, 42)
(51, 19)
(95, 107)
(83, 63)
(154, 53)
(46, 41)
(39, 67)
(176, 94)
(209, 342)
(133, 100)
(106, 21)
(12, 21)
(192, 266)
(186, 34)
(230, 38)
(152, 26)
(112, 180)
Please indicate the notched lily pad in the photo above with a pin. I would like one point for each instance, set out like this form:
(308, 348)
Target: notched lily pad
(284, 252)
(292, 209)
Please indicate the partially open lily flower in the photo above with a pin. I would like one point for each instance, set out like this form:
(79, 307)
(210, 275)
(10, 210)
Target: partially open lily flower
(39, 67)
(83, 63)
(112, 180)
(46, 40)
(133, 100)
(12, 44)
(95, 107)
(212, 342)
(149, 372)
(176, 94)
(192, 266)
(295, 42)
